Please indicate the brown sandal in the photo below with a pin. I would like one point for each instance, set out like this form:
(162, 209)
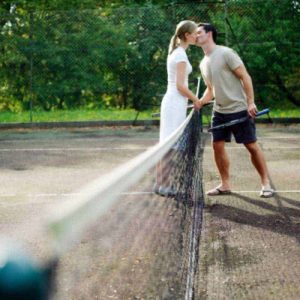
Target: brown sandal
(218, 192)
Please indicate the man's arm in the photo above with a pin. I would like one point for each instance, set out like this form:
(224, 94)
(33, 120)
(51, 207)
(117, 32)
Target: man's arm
(206, 97)
(241, 73)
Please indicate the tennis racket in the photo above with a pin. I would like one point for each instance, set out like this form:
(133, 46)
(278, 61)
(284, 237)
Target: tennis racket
(238, 121)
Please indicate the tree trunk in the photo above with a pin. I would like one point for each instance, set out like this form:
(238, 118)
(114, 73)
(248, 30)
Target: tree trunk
(124, 98)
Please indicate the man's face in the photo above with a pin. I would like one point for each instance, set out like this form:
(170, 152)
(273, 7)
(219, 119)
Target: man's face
(202, 36)
(192, 37)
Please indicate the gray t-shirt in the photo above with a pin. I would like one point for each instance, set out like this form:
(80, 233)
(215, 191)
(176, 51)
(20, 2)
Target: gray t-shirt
(227, 89)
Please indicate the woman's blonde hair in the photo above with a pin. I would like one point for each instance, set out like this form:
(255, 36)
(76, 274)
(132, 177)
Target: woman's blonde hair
(181, 29)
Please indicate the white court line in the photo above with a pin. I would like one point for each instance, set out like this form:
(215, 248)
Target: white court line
(278, 137)
(137, 193)
(71, 149)
(123, 148)
(8, 195)
(125, 193)
(276, 191)
(42, 195)
(145, 139)
(98, 139)
(264, 148)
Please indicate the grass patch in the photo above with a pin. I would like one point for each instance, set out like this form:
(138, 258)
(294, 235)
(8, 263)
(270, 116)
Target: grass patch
(107, 114)
(289, 113)
(73, 115)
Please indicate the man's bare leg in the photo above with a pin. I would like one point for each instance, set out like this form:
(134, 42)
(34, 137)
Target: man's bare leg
(258, 161)
(222, 163)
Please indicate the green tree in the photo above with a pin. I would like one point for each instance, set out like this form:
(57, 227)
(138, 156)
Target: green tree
(267, 38)
(60, 54)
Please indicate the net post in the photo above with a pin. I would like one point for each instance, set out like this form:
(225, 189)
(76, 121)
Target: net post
(198, 95)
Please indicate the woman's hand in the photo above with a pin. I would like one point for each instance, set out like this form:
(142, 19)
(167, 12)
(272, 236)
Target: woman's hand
(198, 104)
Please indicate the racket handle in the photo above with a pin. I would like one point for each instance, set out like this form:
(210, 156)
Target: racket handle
(262, 112)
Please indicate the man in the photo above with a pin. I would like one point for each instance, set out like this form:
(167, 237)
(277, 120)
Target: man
(228, 82)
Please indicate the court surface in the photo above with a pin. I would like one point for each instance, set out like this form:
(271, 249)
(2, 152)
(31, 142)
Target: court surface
(249, 246)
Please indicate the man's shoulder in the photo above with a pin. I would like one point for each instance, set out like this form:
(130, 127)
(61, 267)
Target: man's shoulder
(224, 49)
(228, 54)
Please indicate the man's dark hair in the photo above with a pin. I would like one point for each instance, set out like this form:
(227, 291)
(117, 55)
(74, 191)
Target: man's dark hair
(209, 27)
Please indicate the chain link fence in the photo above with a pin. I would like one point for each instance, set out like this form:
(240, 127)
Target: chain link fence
(117, 57)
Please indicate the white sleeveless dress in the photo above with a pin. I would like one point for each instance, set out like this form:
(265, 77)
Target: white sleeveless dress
(174, 105)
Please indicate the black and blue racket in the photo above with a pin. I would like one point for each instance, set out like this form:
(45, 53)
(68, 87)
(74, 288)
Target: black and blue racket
(238, 121)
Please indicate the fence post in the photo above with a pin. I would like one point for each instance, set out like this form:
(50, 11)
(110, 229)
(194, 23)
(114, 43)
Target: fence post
(31, 63)
(226, 16)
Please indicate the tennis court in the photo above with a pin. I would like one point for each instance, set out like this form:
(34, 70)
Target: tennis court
(249, 247)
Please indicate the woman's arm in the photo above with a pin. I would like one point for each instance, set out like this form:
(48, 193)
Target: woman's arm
(183, 89)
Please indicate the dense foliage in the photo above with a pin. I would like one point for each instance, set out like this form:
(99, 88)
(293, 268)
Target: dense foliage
(69, 54)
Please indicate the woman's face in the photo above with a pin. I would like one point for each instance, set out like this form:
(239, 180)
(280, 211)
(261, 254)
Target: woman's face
(191, 38)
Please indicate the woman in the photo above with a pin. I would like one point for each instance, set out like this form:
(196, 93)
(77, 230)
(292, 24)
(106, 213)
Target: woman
(174, 103)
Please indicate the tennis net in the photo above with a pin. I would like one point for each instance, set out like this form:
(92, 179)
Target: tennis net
(135, 233)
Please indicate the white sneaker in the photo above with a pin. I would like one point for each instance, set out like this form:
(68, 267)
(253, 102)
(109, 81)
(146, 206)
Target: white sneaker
(266, 192)
(155, 188)
(164, 191)
(167, 191)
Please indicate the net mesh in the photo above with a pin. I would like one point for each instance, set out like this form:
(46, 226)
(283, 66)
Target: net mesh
(144, 246)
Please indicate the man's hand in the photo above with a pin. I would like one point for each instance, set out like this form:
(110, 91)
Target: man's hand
(252, 110)
(198, 104)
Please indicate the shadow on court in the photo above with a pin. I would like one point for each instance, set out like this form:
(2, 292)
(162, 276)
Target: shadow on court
(280, 219)
(250, 246)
